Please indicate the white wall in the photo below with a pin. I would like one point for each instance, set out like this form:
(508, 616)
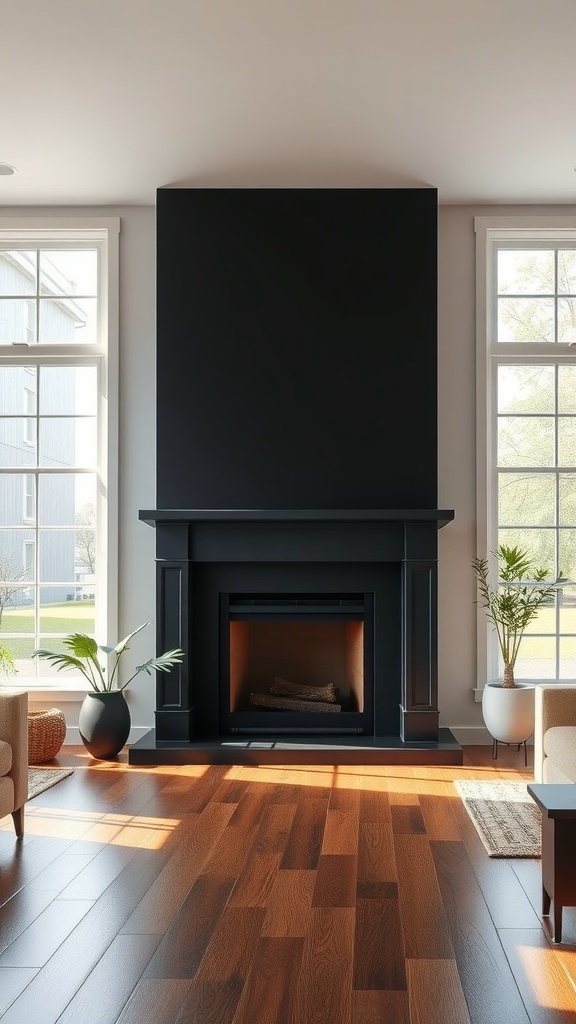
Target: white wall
(457, 611)
(457, 467)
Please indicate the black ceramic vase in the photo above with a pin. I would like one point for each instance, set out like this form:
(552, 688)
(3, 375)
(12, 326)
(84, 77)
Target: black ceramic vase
(104, 723)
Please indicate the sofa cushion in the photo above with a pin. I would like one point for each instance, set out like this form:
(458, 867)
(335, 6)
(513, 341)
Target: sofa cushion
(560, 747)
(5, 757)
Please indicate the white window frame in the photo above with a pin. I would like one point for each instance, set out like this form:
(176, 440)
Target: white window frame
(489, 354)
(102, 233)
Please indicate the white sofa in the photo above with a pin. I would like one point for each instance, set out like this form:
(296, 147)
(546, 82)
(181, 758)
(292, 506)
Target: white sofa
(555, 733)
(14, 756)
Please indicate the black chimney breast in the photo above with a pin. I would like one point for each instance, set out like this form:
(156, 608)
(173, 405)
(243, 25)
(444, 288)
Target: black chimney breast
(297, 348)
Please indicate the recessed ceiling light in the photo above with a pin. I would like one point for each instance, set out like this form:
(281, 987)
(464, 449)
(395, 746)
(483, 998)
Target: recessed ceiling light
(7, 168)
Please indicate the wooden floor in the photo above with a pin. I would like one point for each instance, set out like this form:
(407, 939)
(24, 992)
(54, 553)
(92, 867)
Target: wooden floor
(298, 895)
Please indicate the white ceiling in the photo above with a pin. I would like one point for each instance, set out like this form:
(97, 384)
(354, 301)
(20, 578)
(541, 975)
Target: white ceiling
(104, 101)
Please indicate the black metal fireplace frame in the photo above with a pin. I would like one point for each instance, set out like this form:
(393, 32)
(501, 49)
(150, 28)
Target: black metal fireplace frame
(347, 722)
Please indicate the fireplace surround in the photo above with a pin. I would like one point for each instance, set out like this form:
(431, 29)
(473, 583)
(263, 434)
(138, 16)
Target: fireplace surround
(296, 455)
(385, 560)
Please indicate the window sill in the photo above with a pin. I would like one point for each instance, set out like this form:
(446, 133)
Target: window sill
(39, 693)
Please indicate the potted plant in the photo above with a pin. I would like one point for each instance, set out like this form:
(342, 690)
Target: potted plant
(7, 666)
(104, 719)
(510, 605)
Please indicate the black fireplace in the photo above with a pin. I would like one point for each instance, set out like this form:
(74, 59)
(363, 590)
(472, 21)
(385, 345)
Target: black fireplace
(296, 509)
(273, 605)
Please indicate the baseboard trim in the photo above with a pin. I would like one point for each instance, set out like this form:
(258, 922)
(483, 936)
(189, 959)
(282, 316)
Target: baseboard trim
(73, 738)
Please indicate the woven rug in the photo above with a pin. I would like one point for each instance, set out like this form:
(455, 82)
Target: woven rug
(505, 816)
(40, 779)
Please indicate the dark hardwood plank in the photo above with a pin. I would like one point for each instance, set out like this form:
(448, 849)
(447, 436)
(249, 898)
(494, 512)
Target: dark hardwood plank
(37, 943)
(289, 904)
(379, 961)
(435, 994)
(407, 819)
(217, 986)
(341, 831)
(197, 835)
(109, 986)
(20, 911)
(374, 807)
(485, 975)
(304, 843)
(378, 1007)
(255, 881)
(324, 985)
(506, 899)
(199, 786)
(426, 933)
(271, 982)
(439, 819)
(57, 982)
(229, 854)
(376, 856)
(100, 871)
(335, 881)
(156, 1000)
(182, 948)
(26, 860)
(275, 824)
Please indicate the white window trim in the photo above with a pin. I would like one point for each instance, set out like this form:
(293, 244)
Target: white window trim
(38, 231)
(488, 230)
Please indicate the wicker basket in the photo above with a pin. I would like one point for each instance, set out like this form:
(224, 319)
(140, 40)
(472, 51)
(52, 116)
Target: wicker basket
(46, 732)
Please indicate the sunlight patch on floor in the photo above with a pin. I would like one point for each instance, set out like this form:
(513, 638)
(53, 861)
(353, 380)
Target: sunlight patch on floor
(134, 830)
(551, 983)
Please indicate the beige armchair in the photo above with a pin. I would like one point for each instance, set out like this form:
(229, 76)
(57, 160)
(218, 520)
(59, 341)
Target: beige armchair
(14, 756)
(555, 733)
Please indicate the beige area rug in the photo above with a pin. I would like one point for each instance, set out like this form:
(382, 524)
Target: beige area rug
(40, 779)
(505, 816)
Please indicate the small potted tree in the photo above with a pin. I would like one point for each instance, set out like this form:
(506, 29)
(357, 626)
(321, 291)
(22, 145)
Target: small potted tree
(510, 605)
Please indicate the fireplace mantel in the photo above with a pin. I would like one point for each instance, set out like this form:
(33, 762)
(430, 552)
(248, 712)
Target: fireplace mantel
(315, 515)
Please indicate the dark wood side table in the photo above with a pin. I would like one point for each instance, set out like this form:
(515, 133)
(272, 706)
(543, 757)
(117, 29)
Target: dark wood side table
(558, 805)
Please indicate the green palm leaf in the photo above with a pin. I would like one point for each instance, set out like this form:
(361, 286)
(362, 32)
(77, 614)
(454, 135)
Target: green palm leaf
(83, 656)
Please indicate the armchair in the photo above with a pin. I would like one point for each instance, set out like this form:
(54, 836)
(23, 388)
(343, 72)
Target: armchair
(14, 756)
(555, 733)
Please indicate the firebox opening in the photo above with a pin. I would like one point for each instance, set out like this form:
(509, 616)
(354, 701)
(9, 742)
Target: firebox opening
(298, 659)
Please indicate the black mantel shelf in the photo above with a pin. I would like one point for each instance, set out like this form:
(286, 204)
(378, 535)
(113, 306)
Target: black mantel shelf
(152, 517)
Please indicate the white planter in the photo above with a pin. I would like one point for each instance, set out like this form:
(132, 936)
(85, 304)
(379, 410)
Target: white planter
(509, 711)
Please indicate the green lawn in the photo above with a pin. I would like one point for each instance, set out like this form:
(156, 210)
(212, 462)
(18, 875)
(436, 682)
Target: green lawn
(69, 617)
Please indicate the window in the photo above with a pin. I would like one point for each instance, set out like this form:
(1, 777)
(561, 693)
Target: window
(58, 436)
(527, 424)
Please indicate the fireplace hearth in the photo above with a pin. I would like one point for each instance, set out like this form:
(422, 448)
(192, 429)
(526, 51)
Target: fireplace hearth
(276, 609)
